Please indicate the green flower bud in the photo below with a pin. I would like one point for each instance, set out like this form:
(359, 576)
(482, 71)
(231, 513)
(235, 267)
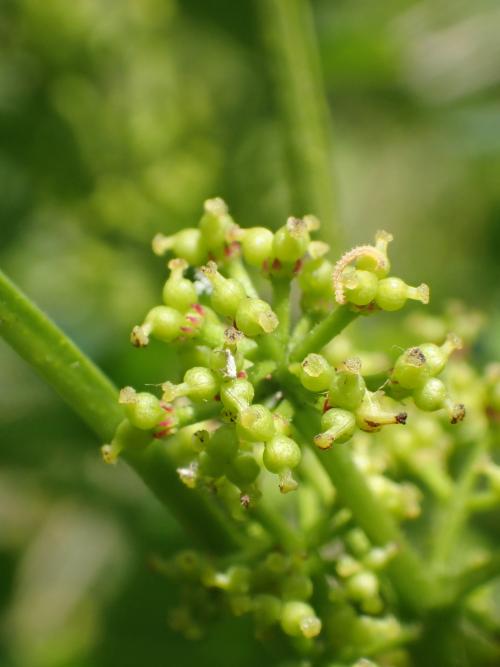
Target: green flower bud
(223, 444)
(372, 415)
(215, 224)
(254, 317)
(338, 425)
(143, 409)
(372, 263)
(227, 293)
(162, 322)
(315, 373)
(436, 356)
(362, 586)
(200, 384)
(210, 466)
(316, 277)
(267, 609)
(291, 241)
(431, 395)
(392, 294)
(297, 587)
(348, 387)
(127, 436)
(410, 369)
(298, 619)
(281, 453)
(255, 424)
(179, 292)
(256, 245)
(243, 470)
(187, 244)
(236, 395)
(360, 287)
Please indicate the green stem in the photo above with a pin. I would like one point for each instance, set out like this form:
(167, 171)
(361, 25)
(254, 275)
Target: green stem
(92, 395)
(289, 34)
(281, 306)
(405, 570)
(455, 514)
(323, 332)
(473, 578)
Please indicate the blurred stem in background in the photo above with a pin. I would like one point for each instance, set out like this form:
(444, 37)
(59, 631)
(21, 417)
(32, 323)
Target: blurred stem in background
(289, 34)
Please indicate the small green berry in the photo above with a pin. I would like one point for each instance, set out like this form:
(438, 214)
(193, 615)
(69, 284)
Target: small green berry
(256, 245)
(227, 293)
(281, 453)
(410, 369)
(315, 373)
(142, 409)
(375, 411)
(215, 224)
(370, 263)
(291, 241)
(187, 244)
(162, 322)
(360, 287)
(199, 383)
(316, 277)
(255, 424)
(255, 317)
(436, 356)
(392, 294)
(297, 587)
(236, 395)
(431, 395)
(243, 470)
(348, 387)
(339, 426)
(298, 619)
(179, 292)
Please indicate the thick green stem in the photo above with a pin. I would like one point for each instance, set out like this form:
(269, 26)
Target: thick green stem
(289, 34)
(91, 394)
(405, 570)
(323, 332)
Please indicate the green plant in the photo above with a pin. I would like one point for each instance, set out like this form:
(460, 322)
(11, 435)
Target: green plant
(273, 447)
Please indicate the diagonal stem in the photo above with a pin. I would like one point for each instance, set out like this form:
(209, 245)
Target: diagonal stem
(95, 399)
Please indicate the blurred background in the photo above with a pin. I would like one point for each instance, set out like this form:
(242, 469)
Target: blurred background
(117, 119)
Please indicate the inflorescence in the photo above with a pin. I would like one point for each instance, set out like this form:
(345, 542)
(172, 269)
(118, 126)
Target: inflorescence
(268, 387)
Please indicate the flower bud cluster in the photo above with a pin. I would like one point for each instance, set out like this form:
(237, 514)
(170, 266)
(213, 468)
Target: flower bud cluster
(255, 389)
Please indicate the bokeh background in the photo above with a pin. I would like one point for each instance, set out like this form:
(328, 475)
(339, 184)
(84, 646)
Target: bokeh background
(117, 119)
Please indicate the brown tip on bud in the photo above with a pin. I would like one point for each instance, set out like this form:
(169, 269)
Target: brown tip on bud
(296, 227)
(458, 413)
(352, 365)
(209, 269)
(415, 356)
(401, 418)
(109, 454)
(232, 336)
(127, 396)
(245, 500)
(287, 483)
(323, 441)
(139, 337)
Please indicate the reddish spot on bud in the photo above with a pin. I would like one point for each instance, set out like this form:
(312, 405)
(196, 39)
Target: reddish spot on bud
(265, 265)
(232, 249)
(401, 418)
(187, 330)
(217, 397)
(326, 405)
(276, 265)
(245, 500)
(241, 374)
(166, 406)
(297, 268)
(268, 377)
(198, 308)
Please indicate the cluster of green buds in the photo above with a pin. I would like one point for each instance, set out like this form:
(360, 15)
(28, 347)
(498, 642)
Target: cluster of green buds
(263, 396)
